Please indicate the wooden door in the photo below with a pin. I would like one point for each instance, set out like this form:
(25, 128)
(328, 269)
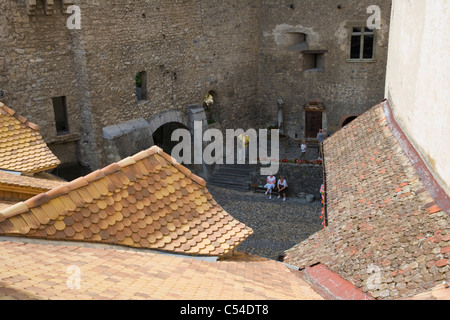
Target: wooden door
(313, 123)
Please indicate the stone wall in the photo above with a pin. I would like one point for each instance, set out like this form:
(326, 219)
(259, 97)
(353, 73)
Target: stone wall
(245, 52)
(186, 48)
(344, 87)
(36, 64)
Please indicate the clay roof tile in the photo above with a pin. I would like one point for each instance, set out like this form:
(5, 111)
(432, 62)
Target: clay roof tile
(132, 203)
(22, 148)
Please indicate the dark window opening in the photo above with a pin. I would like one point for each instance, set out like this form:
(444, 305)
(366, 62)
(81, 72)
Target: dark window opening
(362, 44)
(162, 137)
(141, 86)
(313, 61)
(348, 120)
(211, 106)
(60, 111)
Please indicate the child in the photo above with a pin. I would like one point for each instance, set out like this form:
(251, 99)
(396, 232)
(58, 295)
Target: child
(303, 148)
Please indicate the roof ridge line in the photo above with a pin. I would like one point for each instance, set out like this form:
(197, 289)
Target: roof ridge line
(78, 183)
(20, 118)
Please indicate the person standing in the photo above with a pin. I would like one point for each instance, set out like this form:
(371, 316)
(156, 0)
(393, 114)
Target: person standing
(303, 148)
(321, 138)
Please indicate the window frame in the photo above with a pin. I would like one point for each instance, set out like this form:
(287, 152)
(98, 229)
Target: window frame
(351, 33)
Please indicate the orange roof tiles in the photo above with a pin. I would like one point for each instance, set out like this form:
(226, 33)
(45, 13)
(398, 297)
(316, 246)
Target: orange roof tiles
(441, 292)
(383, 222)
(38, 185)
(145, 201)
(22, 148)
(48, 271)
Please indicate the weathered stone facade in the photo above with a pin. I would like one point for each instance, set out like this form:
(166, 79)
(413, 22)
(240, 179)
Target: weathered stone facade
(292, 34)
(186, 49)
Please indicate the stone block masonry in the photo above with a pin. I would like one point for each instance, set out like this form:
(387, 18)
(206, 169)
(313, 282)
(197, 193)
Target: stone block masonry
(318, 32)
(186, 49)
(248, 53)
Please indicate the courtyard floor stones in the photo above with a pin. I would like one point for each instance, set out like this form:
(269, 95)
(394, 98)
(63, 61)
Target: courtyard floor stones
(277, 225)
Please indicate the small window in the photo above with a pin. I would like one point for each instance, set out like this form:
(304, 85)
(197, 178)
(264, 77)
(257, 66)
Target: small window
(141, 86)
(60, 110)
(296, 41)
(362, 44)
(313, 61)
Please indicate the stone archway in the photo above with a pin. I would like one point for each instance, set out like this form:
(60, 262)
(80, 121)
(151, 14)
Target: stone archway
(168, 117)
(164, 124)
(162, 137)
(347, 119)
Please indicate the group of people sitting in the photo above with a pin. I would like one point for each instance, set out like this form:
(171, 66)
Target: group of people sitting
(280, 187)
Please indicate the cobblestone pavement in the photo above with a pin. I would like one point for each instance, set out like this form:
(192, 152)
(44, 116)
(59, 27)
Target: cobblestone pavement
(277, 225)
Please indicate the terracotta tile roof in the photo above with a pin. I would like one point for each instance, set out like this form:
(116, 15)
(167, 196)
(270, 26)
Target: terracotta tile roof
(386, 233)
(145, 201)
(22, 148)
(439, 293)
(32, 184)
(38, 271)
(5, 204)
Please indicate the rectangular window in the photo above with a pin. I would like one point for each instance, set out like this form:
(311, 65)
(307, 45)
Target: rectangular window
(60, 111)
(141, 86)
(362, 44)
(313, 60)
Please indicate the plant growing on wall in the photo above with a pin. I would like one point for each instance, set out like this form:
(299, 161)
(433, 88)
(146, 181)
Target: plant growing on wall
(207, 104)
(138, 80)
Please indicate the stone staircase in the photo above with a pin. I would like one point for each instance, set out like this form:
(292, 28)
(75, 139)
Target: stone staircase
(237, 176)
(231, 176)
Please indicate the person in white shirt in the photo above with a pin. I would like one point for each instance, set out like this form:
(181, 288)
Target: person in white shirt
(282, 188)
(303, 148)
(271, 180)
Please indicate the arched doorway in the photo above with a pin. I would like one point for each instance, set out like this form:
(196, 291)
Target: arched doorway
(164, 124)
(348, 119)
(162, 137)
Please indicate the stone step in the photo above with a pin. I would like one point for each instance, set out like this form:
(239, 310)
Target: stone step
(232, 171)
(229, 186)
(232, 176)
(235, 177)
(231, 181)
